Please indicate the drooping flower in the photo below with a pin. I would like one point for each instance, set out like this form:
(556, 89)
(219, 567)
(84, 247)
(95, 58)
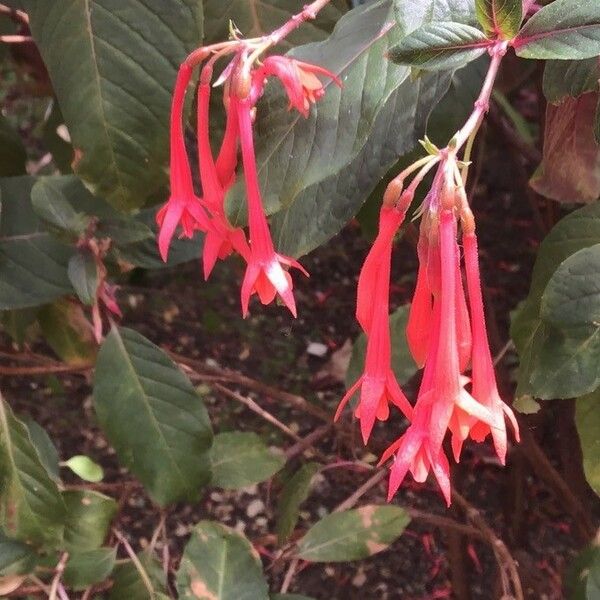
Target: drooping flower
(183, 207)
(265, 275)
(485, 389)
(299, 79)
(222, 239)
(378, 384)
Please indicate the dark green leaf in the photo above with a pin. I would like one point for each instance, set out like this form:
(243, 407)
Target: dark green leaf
(353, 534)
(565, 29)
(86, 468)
(124, 230)
(220, 564)
(240, 459)
(294, 493)
(12, 151)
(16, 558)
(89, 515)
(501, 18)
(45, 447)
(587, 418)
(113, 66)
(582, 581)
(68, 332)
(33, 265)
(31, 508)
(168, 449)
(570, 78)
(128, 583)
(438, 46)
(83, 274)
(569, 351)
(260, 17)
(51, 205)
(580, 229)
(19, 324)
(402, 362)
(87, 568)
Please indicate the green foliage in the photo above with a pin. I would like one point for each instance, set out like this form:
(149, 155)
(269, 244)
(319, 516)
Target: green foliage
(530, 332)
(565, 29)
(438, 46)
(587, 418)
(113, 81)
(240, 459)
(87, 568)
(86, 468)
(16, 558)
(12, 151)
(353, 534)
(145, 581)
(294, 493)
(168, 449)
(89, 515)
(83, 274)
(500, 18)
(31, 507)
(220, 564)
(570, 78)
(583, 580)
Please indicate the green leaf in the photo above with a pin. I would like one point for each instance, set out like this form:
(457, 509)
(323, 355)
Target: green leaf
(242, 459)
(83, 274)
(124, 230)
(570, 78)
(68, 332)
(438, 46)
(220, 564)
(45, 447)
(33, 264)
(86, 468)
(89, 515)
(31, 507)
(88, 568)
(260, 17)
(580, 229)
(403, 363)
(565, 29)
(500, 18)
(128, 583)
(582, 581)
(587, 419)
(16, 558)
(316, 172)
(294, 493)
(51, 205)
(353, 534)
(113, 66)
(569, 351)
(168, 449)
(12, 151)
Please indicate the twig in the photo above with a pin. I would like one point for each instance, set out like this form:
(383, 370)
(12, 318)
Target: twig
(136, 561)
(509, 573)
(289, 576)
(352, 500)
(310, 440)
(254, 407)
(45, 370)
(444, 523)
(59, 570)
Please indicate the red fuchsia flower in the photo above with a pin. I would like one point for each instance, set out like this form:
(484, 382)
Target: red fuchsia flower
(378, 384)
(484, 389)
(299, 79)
(183, 207)
(265, 275)
(222, 238)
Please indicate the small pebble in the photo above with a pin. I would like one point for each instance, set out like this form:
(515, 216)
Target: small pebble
(255, 508)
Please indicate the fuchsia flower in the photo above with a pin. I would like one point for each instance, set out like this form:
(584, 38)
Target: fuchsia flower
(183, 207)
(299, 79)
(222, 239)
(378, 383)
(485, 389)
(264, 275)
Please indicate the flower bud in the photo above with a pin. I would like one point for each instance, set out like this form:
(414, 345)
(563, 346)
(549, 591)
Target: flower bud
(448, 195)
(393, 192)
(241, 83)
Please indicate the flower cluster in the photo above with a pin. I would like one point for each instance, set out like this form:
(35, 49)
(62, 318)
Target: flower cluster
(243, 84)
(446, 336)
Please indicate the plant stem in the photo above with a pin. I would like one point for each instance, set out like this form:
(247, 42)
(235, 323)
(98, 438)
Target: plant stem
(308, 13)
